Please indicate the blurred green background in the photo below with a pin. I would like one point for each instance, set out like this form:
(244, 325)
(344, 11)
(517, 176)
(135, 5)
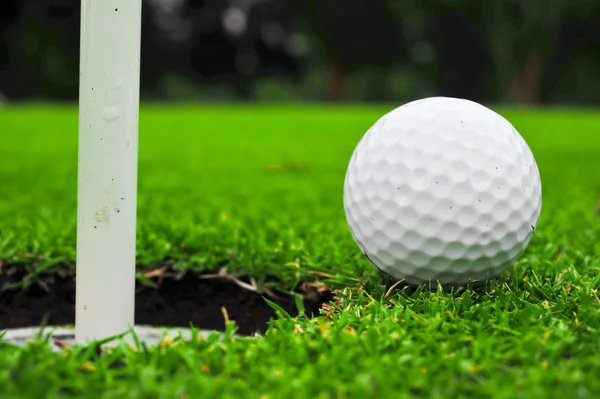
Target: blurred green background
(501, 51)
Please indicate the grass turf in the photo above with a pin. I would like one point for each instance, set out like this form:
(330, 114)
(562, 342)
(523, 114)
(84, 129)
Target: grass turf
(258, 190)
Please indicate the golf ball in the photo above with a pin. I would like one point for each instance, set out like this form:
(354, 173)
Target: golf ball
(442, 190)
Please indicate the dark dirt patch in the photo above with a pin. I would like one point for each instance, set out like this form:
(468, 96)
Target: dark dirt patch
(178, 301)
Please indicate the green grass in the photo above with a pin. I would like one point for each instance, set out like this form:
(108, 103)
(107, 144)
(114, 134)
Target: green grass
(258, 190)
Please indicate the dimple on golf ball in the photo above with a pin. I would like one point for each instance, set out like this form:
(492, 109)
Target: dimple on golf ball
(442, 190)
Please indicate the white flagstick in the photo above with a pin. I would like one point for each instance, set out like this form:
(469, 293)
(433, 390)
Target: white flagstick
(107, 177)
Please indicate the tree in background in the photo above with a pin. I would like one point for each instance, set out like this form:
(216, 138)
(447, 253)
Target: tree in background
(205, 41)
(9, 14)
(241, 41)
(352, 34)
(462, 62)
(521, 36)
(43, 48)
(573, 72)
(535, 51)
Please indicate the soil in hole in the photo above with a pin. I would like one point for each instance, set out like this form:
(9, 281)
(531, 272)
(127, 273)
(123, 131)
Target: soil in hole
(178, 302)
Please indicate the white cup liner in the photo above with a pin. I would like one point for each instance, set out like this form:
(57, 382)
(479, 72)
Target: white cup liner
(61, 336)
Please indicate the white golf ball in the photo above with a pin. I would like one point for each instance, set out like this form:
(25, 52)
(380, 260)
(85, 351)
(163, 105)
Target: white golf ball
(442, 190)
